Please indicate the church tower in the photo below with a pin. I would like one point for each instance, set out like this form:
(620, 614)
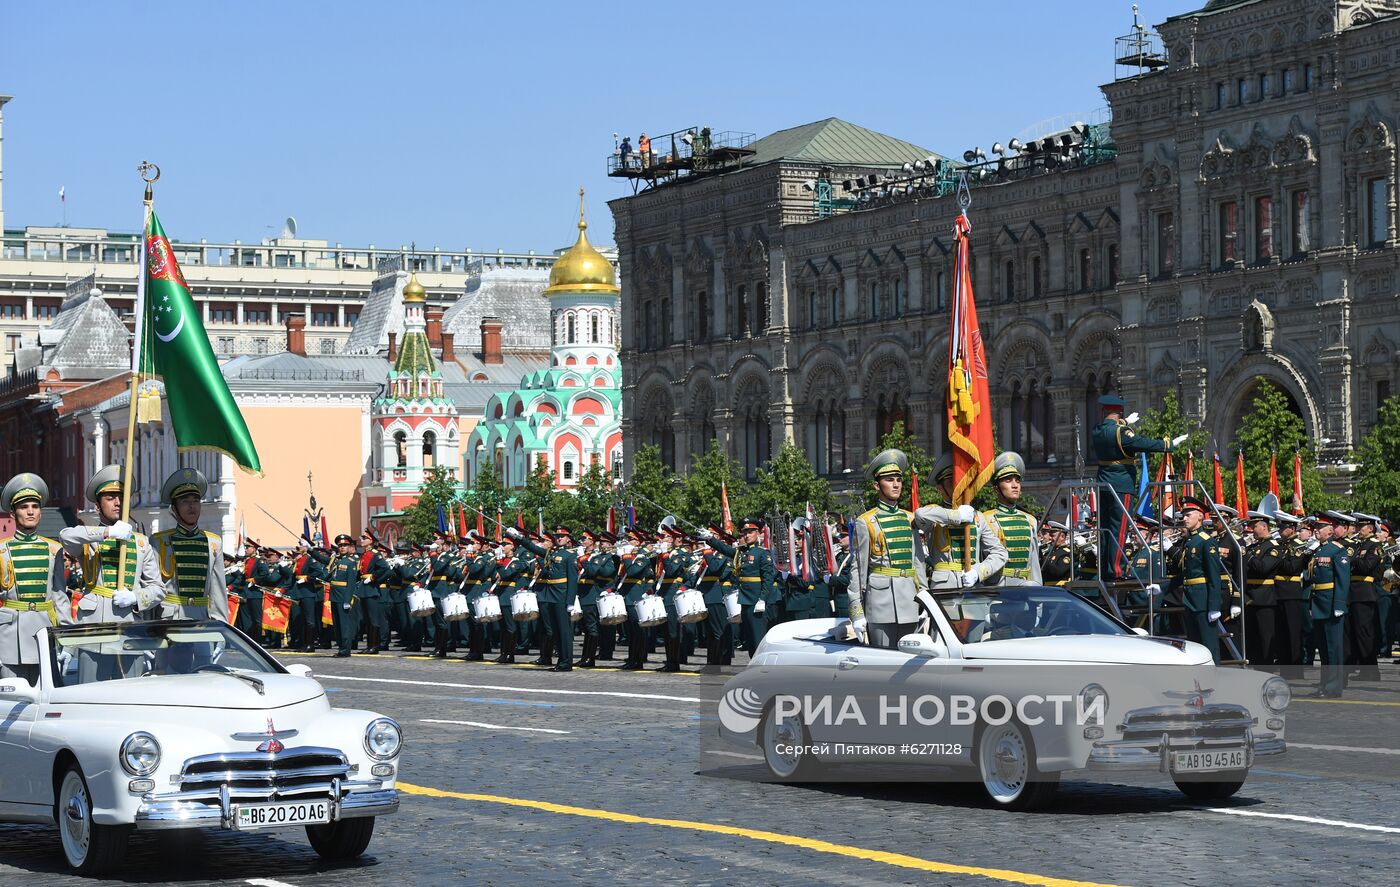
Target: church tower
(415, 423)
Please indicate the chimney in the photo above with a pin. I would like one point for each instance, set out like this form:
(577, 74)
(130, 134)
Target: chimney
(448, 355)
(491, 340)
(296, 333)
(393, 347)
(434, 321)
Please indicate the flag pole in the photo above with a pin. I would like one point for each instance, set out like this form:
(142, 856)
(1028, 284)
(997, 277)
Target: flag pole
(149, 173)
(964, 204)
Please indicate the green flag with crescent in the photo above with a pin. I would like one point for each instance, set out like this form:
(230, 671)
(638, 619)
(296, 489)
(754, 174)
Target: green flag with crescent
(175, 348)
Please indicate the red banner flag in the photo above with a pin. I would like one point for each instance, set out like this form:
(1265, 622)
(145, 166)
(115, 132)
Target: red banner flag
(612, 520)
(1298, 484)
(1241, 496)
(234, 601)
(1218, 495)
(1273, 474)
(969, 403)
(728, 519)
(913, 489)
(481, 524)
(1189, 475)
(277, 612)
(520, 519)
(830, 547)
(1164, 474)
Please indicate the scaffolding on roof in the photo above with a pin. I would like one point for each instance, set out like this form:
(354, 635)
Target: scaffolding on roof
(680, 154)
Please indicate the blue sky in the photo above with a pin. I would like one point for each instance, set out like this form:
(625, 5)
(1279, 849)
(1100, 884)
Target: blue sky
(473, 125)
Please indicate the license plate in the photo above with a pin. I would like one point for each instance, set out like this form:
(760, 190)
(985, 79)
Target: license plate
(1206, 761)
(251, 816)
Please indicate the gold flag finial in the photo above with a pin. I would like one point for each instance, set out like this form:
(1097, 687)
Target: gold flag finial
(581, 223)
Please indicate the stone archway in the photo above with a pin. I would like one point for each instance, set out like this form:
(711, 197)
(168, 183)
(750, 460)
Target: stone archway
(1235, 394)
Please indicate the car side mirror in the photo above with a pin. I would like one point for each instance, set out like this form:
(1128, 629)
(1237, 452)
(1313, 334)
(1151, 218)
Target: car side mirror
(923, 645)
(1141, 632)
(17, 690)
(299, 669)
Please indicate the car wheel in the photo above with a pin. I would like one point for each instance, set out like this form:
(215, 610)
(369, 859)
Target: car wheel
(89, 848)
(345, 839)
(1006, 765)
(1223, 785)
(784, 743)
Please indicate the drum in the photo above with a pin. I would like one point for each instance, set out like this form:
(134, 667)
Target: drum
(488, 608)
(731, 606)
(690, 606)
(420, 603)
(651, 611)
(454, 607)
(524, 606)
(575, 611)
(612, 609)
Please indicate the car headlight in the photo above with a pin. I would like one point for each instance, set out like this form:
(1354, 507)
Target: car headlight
(1277, 694)
(140, 754)
(383, 739)
(1094, 698)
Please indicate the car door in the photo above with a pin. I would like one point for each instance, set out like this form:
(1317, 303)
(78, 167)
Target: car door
(17, 717)
(900, 697)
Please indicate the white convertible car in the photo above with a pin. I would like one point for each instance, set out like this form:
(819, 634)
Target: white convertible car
(185, 724)
(1008, 687)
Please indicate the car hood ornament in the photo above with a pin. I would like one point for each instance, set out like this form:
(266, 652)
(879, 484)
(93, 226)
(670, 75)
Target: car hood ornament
(1195, 698)
(270, 740)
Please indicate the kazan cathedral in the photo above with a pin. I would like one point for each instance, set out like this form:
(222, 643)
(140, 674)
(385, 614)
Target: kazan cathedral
(567, 416)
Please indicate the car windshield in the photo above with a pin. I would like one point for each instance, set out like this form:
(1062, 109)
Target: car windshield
(123, 651)
(1023, 612)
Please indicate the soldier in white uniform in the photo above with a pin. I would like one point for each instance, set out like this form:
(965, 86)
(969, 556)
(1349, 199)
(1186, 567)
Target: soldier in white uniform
(887, 559)
(113, 591)
(943, 528)
(32, 589)
(191, 559)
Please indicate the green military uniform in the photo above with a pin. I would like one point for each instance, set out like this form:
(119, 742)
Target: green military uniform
(839, 585)
(1264, 560)
(1017, 531)
(1056, 565)
(479, 571)
(752, 569)
(1329, 579)
(1116, 447)
(676, 566)
(1197, 582)
(714, 580)
(1363, 603)
(111, 564)
(509, 575)
(638, 579)
(343, 576)
(557, 589)
(597, 573)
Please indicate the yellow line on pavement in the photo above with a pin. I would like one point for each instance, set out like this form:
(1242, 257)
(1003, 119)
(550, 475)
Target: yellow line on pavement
(895, 859)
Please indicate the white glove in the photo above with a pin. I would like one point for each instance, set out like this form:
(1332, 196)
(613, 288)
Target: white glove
(1179, 440)
(1166, 545)
(513, 533)
(970, 578)
(706, 533)
(1213, 616)
(759, 607)
(119, 530)
(1314, 545)
(858, 625)
(1235, 612)
(1153, 590)
(826, 577)
(966, 514)
(64, 657)
(124, 597)
(1339, 613)
(344, 606)
(1132, 418)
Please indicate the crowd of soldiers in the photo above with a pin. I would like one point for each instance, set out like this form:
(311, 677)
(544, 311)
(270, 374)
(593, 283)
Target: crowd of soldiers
(1319, 586)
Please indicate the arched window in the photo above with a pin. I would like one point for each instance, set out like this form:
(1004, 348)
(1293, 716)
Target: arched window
(429, 449)
(874, 300)
(567, 470)
(401, 448)
(593, 328)
(836, 313)
(812, 309)
(761, 325)
(741, 313)
(1036, 290)
(1008, 285)
(899, 297)
(1086, 271)
(569, 328)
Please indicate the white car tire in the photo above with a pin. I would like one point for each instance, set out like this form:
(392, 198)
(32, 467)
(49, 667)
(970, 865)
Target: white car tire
(1005, 759)
(89, 848)
(773, 736)
(346, 839)
(1212, 787)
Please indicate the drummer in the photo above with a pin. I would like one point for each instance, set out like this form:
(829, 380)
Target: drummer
(715, 580)
(597, 570)
(510, 570)
(607, 634)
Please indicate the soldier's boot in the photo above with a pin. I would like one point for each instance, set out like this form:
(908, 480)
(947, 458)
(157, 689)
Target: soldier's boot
(586, 659)
(507, 656)
(476, 642)
(673, 654)
(440, 642)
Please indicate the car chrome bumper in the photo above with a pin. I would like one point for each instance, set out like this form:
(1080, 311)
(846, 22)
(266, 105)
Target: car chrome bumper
(1137, 754)
(355, 799)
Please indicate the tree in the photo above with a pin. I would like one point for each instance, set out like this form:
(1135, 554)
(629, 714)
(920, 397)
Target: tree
(487, 495)
(651, 480)
(786, 484)
(535, 497)
(586, 507)
(1270, 427)
(1378, 475)
(421, 518)
(1169, 423)
(700, 496)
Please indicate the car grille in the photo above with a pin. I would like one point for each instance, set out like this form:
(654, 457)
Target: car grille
(288, 773)
(1208, 723)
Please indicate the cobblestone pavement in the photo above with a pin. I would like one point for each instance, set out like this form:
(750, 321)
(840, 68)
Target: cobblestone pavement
(516, 775)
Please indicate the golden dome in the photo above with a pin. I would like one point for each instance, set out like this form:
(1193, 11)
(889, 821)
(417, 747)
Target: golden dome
(413, 290)
(582, 269)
